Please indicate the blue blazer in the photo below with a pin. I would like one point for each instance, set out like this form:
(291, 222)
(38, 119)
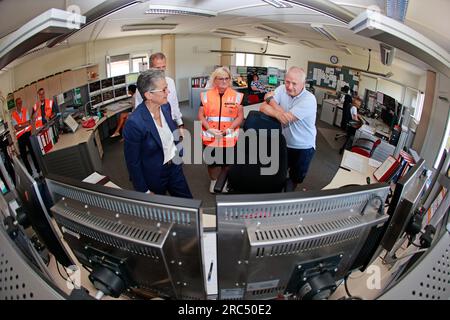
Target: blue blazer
(143, 149)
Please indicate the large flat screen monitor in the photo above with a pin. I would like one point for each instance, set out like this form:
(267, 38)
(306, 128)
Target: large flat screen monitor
(296, 244)
(36, 202)
(407, 195)
(148, 244)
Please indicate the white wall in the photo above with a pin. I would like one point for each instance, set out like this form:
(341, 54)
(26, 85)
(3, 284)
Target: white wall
(194, 59)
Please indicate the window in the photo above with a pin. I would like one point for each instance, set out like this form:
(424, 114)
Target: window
(245, 59)
(139, 63)
(117, 65)
(126, 63)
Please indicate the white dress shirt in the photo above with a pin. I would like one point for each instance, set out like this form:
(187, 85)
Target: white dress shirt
(166, 136)
(171, 98)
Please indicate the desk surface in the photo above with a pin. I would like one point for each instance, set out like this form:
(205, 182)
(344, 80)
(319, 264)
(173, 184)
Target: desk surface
(349, 176)
(82, 135)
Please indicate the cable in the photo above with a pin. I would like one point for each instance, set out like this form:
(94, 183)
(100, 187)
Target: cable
(350, 297)
(368, 67)
(59, 271)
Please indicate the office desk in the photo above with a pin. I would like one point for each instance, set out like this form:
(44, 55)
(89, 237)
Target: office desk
(77, 155)
(252, 107)
(350, 176)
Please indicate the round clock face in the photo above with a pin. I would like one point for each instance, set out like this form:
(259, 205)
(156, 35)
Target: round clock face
(334, 59)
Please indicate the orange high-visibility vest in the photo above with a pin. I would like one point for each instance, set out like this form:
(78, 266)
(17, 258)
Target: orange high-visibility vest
(21, 119)
(48, 112)
(220, 112)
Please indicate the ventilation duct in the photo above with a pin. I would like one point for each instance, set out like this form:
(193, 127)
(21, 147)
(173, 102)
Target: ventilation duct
(396, 9)
(102, 10)
(278, 3)
(171, 10)
(374, 25)
(327, 8)
(42, 28)
(387, 54)
(309, 44)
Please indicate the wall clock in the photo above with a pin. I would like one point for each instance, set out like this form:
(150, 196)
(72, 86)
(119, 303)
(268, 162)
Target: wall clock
(334, 59)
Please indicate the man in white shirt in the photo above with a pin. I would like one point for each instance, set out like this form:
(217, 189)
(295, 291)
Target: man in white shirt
(295, 108)
(158, 61)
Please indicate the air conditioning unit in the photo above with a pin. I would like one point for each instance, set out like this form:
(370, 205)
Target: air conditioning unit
(387, 54)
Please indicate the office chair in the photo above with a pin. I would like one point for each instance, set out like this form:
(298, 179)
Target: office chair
(365, 147)
(246, 177)
(252, 99)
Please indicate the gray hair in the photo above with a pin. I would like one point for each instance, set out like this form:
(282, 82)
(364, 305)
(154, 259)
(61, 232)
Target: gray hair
(300, 72)
(147, 80)
(156, 56)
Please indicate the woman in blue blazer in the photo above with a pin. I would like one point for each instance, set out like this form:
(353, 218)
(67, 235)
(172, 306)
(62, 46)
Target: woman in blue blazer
(150, 145)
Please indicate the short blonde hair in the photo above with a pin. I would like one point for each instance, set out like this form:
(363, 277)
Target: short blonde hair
(220, 71)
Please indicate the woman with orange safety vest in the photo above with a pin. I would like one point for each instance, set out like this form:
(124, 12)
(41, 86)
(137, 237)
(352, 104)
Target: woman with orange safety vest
(21, 122)
(221, 114)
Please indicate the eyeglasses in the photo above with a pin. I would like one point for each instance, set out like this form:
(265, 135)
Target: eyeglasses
(165, 90)
(223, 79)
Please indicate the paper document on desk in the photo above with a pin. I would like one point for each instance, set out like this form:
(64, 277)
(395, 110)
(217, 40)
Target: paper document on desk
(374, 163)
(368, 129)
(94, 178)
(354, 161)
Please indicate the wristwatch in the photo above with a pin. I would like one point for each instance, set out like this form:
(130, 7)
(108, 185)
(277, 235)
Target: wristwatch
(268, 99)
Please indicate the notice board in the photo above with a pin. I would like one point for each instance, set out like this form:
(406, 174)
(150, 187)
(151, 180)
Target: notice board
(332, 77)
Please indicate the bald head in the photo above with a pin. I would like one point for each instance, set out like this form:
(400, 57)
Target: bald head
(295, 81)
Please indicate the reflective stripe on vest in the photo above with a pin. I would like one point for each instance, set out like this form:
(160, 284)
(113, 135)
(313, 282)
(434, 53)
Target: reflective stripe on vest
(20, 120)
(221, 119)
(220, 116)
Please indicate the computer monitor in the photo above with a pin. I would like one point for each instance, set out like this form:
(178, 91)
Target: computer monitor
(120, 93)
(407, 194)
(94, 86)
(389, 102)
(106, 83)
(119, 80)
(131, 240)
(295, 244)
(35, 201)
(108, 96)
(131, 78)
(273, 80)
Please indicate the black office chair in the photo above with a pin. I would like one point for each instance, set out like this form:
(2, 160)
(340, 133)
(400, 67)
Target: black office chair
(247, 178)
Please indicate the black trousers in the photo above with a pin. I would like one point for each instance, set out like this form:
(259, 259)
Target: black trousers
(24, 143)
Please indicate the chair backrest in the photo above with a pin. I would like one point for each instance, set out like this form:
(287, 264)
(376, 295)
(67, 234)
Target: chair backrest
(252, 99)
(365, 147)
(247, 177)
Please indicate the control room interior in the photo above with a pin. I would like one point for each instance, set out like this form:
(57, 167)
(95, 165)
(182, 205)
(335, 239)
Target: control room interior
(374, 195)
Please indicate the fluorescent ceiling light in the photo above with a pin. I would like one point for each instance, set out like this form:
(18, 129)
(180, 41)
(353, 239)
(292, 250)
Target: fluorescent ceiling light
(344, 48)
(228, 32)
(274, 41)
(270, 29)
(320, 29)
(278, 3)
(172, 10)
(44, 27)
(308, 44)
(149, 26)
(374, 25)
(396, 9)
